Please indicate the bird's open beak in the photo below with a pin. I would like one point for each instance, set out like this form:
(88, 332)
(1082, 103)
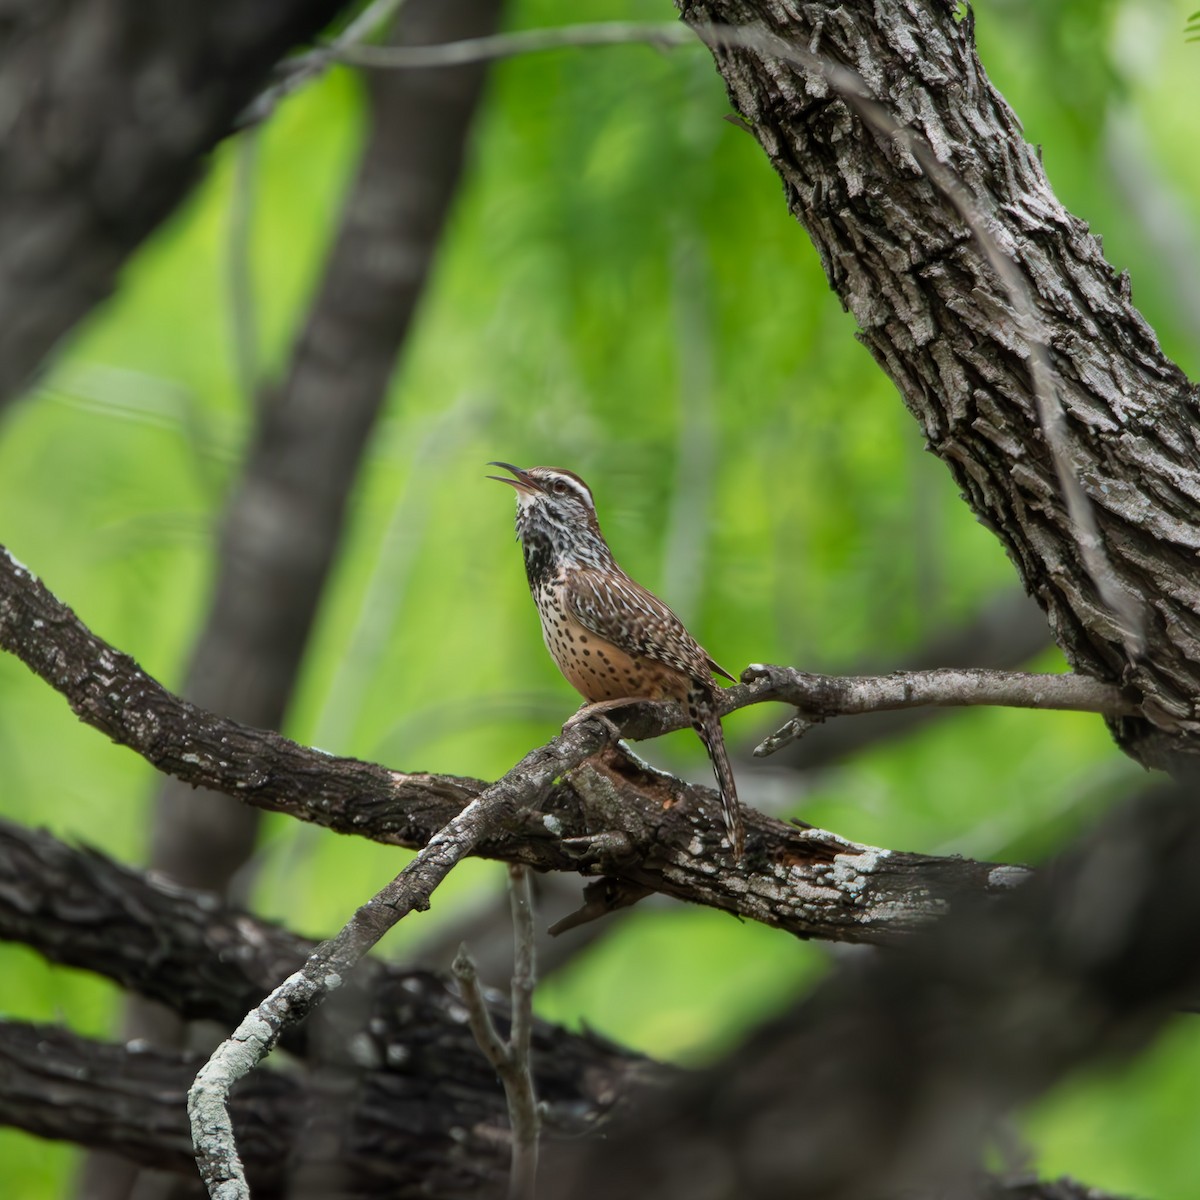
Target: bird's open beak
(522, 482)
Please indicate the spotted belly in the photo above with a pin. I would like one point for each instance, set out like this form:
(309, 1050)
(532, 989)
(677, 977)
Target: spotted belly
(599, 670)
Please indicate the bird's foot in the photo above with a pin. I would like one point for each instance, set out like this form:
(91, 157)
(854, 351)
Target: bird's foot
(596, 711)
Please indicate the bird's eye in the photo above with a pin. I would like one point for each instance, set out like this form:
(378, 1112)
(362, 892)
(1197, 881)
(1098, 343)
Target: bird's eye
(558, 487)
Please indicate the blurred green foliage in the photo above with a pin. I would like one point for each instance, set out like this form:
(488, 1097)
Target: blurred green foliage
(621, 291)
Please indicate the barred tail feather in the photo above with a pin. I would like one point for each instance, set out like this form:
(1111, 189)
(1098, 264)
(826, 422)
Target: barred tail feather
(707, 724)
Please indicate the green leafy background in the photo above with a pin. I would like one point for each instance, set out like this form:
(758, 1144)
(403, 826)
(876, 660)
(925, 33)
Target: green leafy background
(621, 291)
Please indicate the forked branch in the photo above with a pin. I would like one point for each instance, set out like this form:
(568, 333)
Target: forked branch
(327, 967)
(511, 1057)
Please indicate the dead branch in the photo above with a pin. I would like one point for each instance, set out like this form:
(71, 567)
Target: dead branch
(510, 1057)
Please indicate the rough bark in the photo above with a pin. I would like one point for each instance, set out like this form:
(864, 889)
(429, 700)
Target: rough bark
(435, 1124)
(204, 959)
(639, 830)
(395, 1094)
(110, 111)
(887, 1081)
(936, 318)
(396, 1133)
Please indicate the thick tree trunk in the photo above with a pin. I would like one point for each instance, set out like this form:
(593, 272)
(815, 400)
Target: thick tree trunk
(938, 320)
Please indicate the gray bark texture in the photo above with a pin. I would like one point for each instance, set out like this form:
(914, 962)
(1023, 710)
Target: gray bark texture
(110, 109)
(888, 1080)
(936, 318)
(390, 1095)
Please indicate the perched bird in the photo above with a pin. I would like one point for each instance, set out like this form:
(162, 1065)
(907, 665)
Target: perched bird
(615, 642)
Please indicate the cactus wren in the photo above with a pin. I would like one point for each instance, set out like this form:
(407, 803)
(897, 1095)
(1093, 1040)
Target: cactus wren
(614, 642)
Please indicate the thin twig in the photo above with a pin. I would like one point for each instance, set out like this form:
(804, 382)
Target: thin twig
(327, 967)
(1124, 608)
(664, 35)
(820, 696)
(518, 1083)
(243, 311)
(304, 68)
(511, 1059)
(479, 1015)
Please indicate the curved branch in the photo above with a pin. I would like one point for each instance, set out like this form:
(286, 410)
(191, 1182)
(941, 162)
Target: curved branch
(612, 816)
(327, 967)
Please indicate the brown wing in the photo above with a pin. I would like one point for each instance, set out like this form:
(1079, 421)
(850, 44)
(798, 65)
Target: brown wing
(615, 608)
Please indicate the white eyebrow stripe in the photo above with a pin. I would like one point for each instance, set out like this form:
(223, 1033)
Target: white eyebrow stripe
(580, 488)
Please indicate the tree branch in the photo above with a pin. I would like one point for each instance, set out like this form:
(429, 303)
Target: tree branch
(821, 696)
(909, 1059)
(328, 965)
(613, 817)
(511, 1058)
(1006, 632)
(205, 959)
(433, 1128)
(431, 1120)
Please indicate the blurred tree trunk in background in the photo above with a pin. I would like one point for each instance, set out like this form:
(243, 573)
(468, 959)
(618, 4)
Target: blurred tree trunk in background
(286, 516)
(285, 519)
(102, 142)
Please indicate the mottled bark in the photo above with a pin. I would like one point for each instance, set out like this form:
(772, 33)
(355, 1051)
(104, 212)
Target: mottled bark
(394, 1091)
(393, 1133)
(937, 319)
(640, 830)
(435, 1123)
(109, 111)
(888, 1080)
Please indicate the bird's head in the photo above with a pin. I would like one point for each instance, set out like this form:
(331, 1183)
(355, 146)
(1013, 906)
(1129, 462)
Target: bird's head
(555, 504)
